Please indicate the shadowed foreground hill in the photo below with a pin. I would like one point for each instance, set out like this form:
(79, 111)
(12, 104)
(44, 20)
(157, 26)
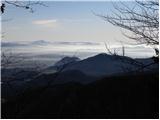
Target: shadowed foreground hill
(131, 96)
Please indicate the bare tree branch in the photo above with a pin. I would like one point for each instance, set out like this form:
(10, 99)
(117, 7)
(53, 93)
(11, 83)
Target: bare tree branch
(28, 5)
(142, 20)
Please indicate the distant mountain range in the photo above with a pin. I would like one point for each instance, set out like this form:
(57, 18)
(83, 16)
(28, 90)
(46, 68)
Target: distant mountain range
(72, 69)
(77, 43)
(63, 62)
(103, 85)
(104, 65)
(40, 42)
(18, 44)
(12, 44)
(44, 42)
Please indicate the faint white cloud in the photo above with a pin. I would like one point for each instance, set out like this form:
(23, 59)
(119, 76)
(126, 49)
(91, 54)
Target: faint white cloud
(46, 23)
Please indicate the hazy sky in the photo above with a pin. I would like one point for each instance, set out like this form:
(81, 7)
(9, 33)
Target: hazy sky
(61, 21)
(67, 22)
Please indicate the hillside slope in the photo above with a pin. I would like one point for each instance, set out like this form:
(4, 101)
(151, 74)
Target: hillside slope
(104, 64)
(131, 96)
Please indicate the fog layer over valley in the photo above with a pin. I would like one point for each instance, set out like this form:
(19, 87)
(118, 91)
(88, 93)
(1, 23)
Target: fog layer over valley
(40, 63)
(47, 53)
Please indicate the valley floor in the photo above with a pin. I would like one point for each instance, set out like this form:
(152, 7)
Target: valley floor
(130, 96)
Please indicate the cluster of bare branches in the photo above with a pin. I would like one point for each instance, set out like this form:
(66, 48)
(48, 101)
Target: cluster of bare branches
(21, 4)
(141, 19)
(9, 60)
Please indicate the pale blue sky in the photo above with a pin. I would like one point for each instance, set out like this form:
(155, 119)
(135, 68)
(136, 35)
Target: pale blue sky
(61, 21)
(67, 22)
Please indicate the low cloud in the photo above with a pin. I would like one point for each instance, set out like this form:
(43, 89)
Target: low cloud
(46, 23)
(77, 43)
